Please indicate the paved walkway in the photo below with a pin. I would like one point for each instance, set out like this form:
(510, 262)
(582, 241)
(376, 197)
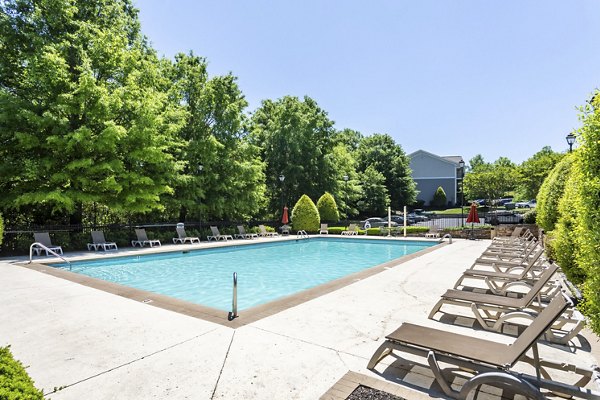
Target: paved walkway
(82, 343)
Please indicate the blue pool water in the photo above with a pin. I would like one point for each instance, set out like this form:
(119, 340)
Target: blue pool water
(265, 271)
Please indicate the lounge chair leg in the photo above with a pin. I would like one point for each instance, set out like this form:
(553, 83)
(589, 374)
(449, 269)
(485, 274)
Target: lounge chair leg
(501, 379)
(383, 351)
(439, 377)
(436, 308)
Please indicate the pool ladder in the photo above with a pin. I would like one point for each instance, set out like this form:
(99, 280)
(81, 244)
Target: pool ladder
(301, 234)
(41, 246)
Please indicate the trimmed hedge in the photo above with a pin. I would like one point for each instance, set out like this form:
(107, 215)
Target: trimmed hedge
(1, 228)
(14, 381)
(305, 215)
(328, 209)
(530, 217)
(551, 191)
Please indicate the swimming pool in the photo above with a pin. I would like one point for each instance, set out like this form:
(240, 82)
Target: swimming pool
(266, 271)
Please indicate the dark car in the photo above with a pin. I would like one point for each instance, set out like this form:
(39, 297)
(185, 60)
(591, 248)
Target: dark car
(376, 222)
(503, 217)
(417, 217)
(504, 200)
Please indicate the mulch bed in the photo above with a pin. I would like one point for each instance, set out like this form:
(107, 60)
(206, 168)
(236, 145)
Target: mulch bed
(367, 393)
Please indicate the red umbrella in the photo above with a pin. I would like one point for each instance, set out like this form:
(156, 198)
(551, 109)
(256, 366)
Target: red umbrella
(473, 217)
(285, 219)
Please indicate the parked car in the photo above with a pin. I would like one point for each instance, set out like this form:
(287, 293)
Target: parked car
(526, 204)
(376, 222)
(399, 219)
(503, 217)
(417, 217)
(503, 201)
(481, 202)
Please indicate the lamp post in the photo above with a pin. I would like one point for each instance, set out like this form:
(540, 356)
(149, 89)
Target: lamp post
(345, 177)
(461, 165)
(281, 179)
(570, 140)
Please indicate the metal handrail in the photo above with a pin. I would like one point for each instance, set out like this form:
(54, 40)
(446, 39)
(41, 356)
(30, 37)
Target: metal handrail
(301, 234)
(447, 235)
(38, 244)
(233, 314)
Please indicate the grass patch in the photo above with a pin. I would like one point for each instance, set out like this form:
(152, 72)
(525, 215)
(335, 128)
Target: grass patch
(14, 381)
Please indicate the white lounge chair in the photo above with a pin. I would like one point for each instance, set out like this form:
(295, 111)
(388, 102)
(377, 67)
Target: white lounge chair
(182, 237)
(352, 230)
(142, 239)
(264, 233)
(243, 234)
(99, 242)
(324, 229)
(433, 232)
(44, 239)
(216, 235)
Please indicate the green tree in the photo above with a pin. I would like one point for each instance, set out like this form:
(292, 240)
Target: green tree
(534, 170)
(490, 181)
(327, 207)
(1, 228)
(550, 193)
(375, 198)
(349, 190)
(439, 198)
(385, 156)
(295, 138)
(82, 113)
(223, 175)
(305, 215)
(476, 162)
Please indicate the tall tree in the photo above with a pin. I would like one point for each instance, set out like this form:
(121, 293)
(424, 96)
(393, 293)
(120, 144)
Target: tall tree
(223, 175)
(375, 197)
(489, 181)
(534, 170)
(80, 110)
(476, 162)
(384, 155)
(295, 140)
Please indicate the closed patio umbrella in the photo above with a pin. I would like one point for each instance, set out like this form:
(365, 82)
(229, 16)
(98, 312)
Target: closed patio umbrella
(472, 217)
(285, 219)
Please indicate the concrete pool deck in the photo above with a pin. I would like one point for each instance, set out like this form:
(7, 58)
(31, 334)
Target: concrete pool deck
(91, 344)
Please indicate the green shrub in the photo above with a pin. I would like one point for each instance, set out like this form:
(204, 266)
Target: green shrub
(439, 198)
(327, 207)
(14, 381)
(1, 228)
(530, 217)
(551, 191)
(305, 215)
(564, 245)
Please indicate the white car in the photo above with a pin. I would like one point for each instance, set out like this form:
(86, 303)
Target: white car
(526, 204)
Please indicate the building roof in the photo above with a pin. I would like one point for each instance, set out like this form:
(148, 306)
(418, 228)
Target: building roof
(450, 159)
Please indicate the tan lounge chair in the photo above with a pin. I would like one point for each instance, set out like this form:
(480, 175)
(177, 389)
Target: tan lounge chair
(499, 278)
(493, 311)
(142, 239)
(490, 362)
(216, 235)
(43, 238)
(99, 242)
(324, 230)
(264, 233)
(243, 234)
(182, 237)
(352, 230)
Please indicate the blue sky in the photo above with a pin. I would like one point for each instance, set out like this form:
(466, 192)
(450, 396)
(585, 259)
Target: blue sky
(450, 77)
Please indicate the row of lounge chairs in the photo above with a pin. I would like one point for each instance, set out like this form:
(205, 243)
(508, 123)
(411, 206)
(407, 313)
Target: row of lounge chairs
(99, 242)
(506, 264)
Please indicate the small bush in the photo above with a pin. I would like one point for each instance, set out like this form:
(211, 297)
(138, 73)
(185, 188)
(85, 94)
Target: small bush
(327, 207)
(1, 228)
(305, 215)
(530, 217)
(14, 381)
(439, 198)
